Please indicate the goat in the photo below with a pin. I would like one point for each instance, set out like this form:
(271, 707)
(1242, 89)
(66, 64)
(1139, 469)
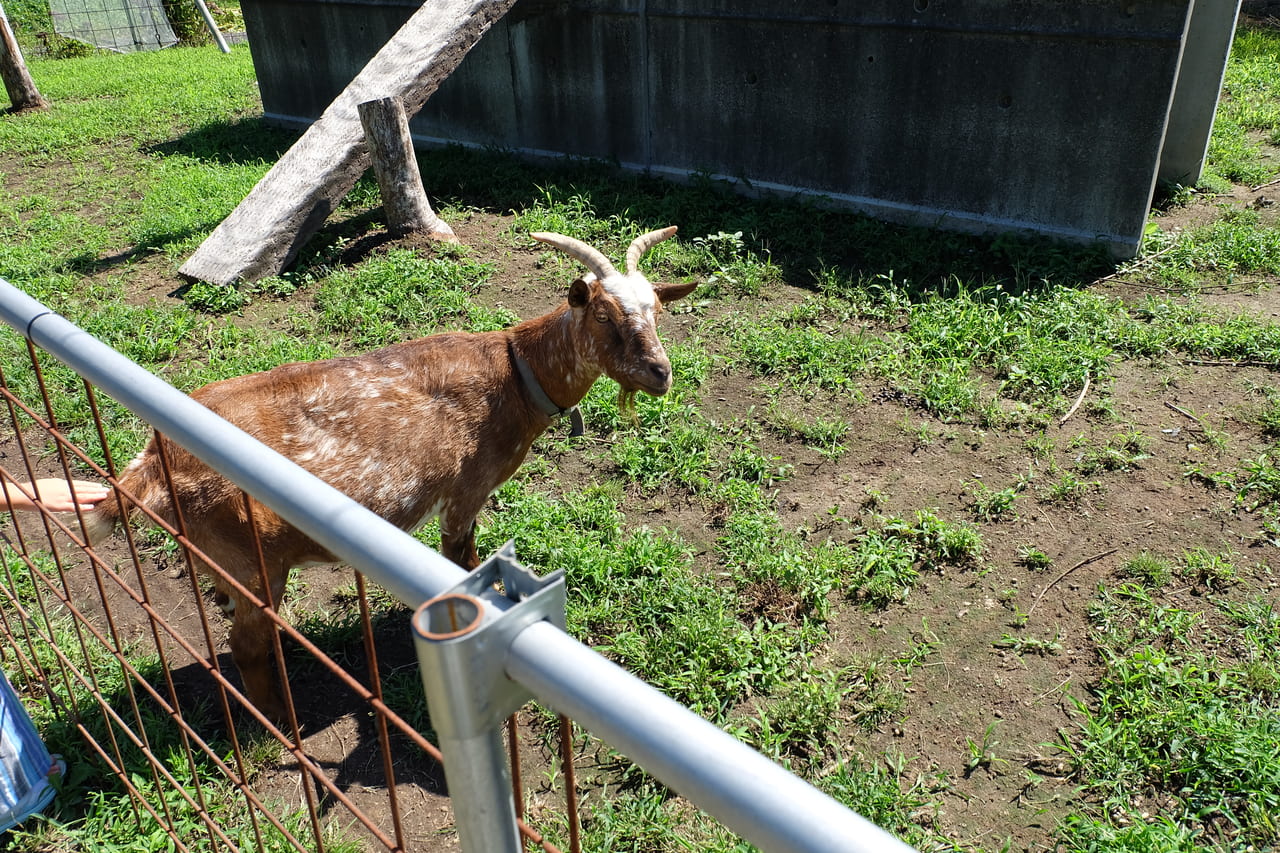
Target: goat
(420, 429)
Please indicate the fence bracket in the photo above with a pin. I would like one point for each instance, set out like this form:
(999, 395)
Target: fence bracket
(462, 637)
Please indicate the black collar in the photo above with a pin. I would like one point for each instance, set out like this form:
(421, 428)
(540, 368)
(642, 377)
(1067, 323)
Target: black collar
(540, 399)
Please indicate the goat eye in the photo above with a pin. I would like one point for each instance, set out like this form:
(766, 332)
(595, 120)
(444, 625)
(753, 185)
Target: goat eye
(602, 317)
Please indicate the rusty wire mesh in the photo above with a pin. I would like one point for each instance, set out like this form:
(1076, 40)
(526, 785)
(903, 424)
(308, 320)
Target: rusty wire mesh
(118, 643)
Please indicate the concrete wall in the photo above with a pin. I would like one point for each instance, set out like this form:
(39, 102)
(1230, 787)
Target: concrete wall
(1204, 62)
(1046, 116)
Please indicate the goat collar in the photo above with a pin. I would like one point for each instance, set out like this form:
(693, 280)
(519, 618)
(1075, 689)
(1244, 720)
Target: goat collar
(542, 401)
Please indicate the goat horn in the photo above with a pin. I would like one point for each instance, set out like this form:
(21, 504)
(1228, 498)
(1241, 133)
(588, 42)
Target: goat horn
(594, 260)
(644, 243)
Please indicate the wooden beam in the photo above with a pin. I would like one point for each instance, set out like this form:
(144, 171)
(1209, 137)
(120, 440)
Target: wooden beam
(404, 199)
(266, 231)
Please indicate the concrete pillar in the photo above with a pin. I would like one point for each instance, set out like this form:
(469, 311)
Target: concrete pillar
(1195, 96)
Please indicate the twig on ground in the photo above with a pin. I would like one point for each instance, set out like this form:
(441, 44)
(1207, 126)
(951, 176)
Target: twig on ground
(1054, 689)
(1196, 419)
(1140, 262)
(1240, 286)
(1055, 581)
(1071, 411)
(1264, 186)
(1185, 413)
(1199, 428)
(1213, 363)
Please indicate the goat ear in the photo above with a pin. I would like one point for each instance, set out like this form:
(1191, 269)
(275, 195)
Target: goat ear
(579, 293)
(671, 292)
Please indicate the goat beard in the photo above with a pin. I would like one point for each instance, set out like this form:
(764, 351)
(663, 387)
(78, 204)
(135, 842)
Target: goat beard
(627, 405)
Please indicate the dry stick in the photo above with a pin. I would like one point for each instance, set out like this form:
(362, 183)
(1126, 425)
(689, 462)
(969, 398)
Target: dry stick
(1053, 689)
(1212, 363)
(1071, 411)
(1264, 186)
(1185, 414)
(1078, 565)
(1199, 424)
(1239, 286)
(1141, 262)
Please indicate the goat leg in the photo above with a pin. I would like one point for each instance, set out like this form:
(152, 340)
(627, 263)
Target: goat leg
(459, 545)
(251, 649)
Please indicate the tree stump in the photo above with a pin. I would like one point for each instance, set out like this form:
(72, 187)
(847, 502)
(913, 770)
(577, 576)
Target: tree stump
(386, 132)
(22, 90)
(265, 232)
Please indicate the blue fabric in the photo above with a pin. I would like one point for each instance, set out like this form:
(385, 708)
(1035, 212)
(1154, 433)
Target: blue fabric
(25, 763)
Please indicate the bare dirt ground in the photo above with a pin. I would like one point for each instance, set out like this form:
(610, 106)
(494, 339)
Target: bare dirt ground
(967, 684)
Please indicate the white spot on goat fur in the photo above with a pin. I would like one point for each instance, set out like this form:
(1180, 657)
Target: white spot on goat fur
(318, 396)
(432, 512)
(633, 292)
(319, 446)
(137, 461)
(395, 485)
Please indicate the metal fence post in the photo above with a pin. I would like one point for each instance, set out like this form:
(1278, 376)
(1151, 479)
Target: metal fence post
(462, 638)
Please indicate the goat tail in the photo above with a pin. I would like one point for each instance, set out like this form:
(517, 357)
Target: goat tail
(101, 521)
(143, 479)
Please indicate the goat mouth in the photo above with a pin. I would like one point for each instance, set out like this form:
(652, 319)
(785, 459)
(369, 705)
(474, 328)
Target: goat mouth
(627, 391)
(654, 378)
(653, 389)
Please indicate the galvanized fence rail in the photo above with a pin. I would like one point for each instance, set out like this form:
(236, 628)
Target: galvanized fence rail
(484, 648)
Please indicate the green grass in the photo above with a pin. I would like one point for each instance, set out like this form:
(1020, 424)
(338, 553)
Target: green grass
(812, 316)
(1175, 715)
(1250, 104)
(828, 435)
(980, 355)
(637, 595)
(993, 504)
(400, 295)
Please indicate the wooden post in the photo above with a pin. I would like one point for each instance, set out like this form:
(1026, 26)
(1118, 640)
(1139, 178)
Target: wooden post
(22, 90)
(265, 232)
(386, 132)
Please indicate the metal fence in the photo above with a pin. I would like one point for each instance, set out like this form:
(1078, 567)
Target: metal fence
(123, 26)
(118, 640)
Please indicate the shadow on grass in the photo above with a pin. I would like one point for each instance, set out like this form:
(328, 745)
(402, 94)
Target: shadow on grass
(246, 140)
(802, 237)
(327, 710)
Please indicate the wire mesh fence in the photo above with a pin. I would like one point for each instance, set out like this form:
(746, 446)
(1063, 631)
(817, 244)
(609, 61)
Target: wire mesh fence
(123, 26)
(120, 650)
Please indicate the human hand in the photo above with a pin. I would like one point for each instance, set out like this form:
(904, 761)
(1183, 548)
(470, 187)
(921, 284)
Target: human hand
(56, 494)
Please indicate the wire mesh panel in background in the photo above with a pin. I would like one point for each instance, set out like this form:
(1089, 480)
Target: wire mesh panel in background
(124, 26)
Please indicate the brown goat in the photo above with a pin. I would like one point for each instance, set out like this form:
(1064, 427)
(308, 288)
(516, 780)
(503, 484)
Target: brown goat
(421, 429)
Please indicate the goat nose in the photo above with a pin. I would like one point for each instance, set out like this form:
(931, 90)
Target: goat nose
(661, 372)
